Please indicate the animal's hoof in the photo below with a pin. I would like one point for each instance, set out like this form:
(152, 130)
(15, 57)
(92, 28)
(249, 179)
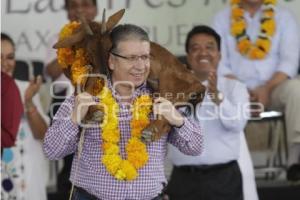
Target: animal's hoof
(147, 135)
(98, 116)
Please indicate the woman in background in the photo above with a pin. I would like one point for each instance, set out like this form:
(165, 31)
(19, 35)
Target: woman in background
(24, 166)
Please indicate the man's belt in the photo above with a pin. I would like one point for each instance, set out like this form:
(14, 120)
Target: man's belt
(204, 168)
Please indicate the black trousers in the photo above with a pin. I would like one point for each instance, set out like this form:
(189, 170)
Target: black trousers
(216, 182)
(81, 194)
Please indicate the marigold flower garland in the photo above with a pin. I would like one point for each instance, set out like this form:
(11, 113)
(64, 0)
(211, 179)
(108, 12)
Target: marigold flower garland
(136, 150)
(68, 57)
(262, 46)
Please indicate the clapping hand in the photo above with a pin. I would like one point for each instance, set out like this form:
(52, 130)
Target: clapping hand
(31, 90)
(212, 87)
(33, 87)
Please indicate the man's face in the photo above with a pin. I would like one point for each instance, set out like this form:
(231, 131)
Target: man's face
(203, 54)
(85, 7)
(133, 65)
(8, 61)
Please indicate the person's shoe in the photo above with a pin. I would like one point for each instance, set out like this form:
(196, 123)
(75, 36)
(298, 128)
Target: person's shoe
(293, 173)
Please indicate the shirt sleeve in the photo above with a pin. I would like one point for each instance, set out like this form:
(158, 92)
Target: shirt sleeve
(289, 45)
(11, 112)
(62, 136)
(234, 111)
(188, 138)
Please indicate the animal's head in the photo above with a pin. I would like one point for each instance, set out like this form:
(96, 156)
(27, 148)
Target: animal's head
(94, 38)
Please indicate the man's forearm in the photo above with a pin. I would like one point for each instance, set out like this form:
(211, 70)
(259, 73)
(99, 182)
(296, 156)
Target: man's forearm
(276, 79)
(54, 70)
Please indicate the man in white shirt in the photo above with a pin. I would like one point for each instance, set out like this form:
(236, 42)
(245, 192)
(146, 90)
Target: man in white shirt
(260, 47)
(223, 114)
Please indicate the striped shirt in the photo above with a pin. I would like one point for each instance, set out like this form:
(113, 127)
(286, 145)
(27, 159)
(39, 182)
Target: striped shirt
(62, 139)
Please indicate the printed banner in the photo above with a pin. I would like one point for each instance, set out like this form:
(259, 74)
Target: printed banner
(34, 23)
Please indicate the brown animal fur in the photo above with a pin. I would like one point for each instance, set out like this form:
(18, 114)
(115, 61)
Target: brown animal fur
(167, 74)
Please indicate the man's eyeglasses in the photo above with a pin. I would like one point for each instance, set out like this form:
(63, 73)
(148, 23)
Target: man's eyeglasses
(133, 58)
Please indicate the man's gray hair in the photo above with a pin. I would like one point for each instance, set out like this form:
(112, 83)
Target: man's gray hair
(127, 32)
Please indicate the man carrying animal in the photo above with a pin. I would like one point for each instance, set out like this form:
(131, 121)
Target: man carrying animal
(114, 163)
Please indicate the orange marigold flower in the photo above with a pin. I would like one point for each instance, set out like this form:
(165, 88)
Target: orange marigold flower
(112, 136)
(268, 13)
(140, 123)
(68, 29)
(65, 57)
(263, 43)
(144, 99)
(256, 53)
(137, 126)
(138, 159)
(136, 133)
(244, 45)
(238, 27)
(109, 148)
(270, 1)
(136, 152)
(269, 27)
(77, 73)
(135, 144)
(112, 163)
(120, 175)
(128, 169)
(235, 2)
(237, 13)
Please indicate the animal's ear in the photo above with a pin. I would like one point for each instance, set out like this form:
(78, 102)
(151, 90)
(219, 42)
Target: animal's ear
(85, 24)
(70, 41)
(114, 19)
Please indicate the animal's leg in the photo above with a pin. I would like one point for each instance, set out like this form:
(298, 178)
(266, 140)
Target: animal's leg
(155, 130)
(95, 114)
